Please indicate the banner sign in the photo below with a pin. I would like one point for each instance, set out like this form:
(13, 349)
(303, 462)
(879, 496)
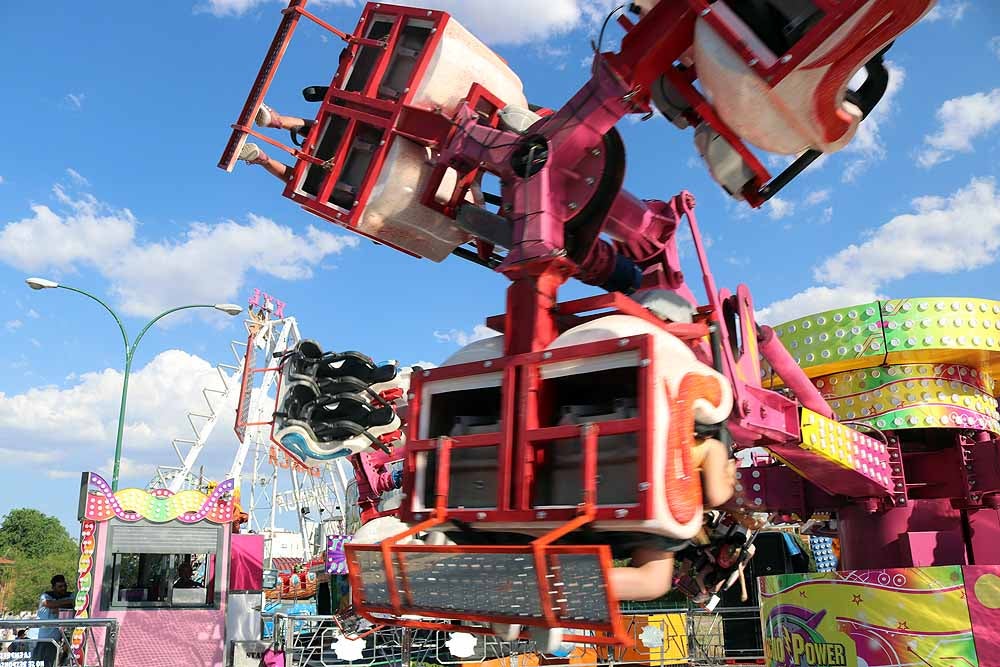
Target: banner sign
(871, 618)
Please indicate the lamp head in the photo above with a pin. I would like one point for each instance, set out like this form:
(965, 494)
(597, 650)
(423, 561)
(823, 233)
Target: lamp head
(41, 283)
(227, 308)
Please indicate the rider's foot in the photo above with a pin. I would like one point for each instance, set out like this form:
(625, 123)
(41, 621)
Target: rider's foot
(267, 117)
(252, 154)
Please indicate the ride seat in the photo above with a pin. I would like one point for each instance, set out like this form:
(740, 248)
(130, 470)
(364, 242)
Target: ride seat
(808, 108)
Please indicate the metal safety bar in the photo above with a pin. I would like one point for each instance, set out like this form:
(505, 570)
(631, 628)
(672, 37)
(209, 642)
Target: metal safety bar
(76, 632)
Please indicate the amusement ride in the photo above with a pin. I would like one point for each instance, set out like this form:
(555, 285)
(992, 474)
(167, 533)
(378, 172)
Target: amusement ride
(496, 493)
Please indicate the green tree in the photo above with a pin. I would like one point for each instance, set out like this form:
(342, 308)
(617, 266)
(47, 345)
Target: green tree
(31, 578)
(40, 548)
(28, 532)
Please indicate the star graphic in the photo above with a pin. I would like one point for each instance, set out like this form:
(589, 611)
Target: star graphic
(902, 626)
(652, 636)
(857, 599)
(461, 644)
(802, 594)
(349, 650)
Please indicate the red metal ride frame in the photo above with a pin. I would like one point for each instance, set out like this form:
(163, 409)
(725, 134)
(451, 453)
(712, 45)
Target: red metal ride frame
(577, 186)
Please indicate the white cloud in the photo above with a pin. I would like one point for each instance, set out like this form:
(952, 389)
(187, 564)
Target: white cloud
(75, 100)
(206, 264)
(77, 177)
(35, 342)
(79, 421)
(552, 52)
(1, 180)
(463, 338)
(511, 22)
(26, 455)
(33, 314)
(994, 47)
(868, 140)
(817, 197)
(944, 235)
(960, 232)
(947, 11)
(778, 208)
(826, 216)
(13, 325)
(514, 21)
(231, 7)
(779, 161)
(241, 7)
(963, 120)
(129, 468)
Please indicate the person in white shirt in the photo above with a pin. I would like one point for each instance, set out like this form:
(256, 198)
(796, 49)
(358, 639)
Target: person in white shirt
(50, 604)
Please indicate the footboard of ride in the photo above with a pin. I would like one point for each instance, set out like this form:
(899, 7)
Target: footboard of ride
(552, 586)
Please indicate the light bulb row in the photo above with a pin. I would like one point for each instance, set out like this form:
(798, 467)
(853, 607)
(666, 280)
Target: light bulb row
(894, 312)
(899, 327)
(846, 447)
(914, 396)
(911, 377)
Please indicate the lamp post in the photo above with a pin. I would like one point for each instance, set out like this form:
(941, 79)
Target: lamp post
(41, 283)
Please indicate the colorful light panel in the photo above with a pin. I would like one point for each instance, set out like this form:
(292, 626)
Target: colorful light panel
(914, 396)
(845, 447)
(159, 505)
(896, 331)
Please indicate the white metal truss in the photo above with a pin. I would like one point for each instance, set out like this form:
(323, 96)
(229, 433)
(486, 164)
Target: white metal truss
(182, 476)
(271, 337)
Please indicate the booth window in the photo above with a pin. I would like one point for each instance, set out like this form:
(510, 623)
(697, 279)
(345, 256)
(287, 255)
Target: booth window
(144, 568)
(163, 580)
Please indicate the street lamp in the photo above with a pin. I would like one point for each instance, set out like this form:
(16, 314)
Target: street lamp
(227, 308)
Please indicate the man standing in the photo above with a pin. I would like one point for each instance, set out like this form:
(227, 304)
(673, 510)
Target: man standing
(49, 606)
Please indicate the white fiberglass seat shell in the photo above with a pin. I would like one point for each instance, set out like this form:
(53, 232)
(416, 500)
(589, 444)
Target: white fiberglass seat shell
(808, 108)
(394, 211)
(672, 362)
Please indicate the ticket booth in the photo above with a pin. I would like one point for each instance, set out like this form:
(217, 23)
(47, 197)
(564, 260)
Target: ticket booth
(168, 567)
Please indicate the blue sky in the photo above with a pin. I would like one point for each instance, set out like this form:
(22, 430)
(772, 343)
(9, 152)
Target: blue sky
(116, 118)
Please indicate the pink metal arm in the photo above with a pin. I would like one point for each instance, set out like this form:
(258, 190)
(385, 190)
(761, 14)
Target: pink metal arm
(781, 361)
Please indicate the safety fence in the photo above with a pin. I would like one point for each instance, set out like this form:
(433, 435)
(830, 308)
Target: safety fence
(72, 642)
(728, 637)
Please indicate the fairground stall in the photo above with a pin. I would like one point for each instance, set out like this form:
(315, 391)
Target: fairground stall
(170, 568)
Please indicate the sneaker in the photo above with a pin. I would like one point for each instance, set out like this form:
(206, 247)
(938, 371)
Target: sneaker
(251, 153)
(267, 117)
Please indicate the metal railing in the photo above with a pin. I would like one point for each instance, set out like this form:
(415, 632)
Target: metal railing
(698, 638)
(98, 637)
(730, 636)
